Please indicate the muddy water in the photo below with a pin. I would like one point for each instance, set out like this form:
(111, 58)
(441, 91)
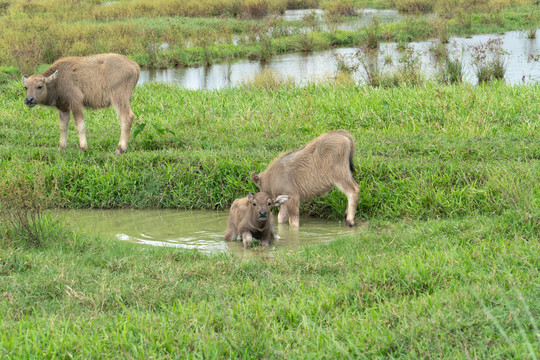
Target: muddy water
(304, 68)
(202, 230)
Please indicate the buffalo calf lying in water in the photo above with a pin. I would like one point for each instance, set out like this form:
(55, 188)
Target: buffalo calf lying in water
(311, 171)
(96, 82)
(251, 217)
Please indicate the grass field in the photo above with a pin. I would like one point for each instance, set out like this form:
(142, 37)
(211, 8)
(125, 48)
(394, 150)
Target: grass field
(455, 150)
(445, 263)
(464, 288)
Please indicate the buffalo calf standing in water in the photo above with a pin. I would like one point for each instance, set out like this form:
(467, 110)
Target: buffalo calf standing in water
(311, 171)
(97, 82)
(251, 217)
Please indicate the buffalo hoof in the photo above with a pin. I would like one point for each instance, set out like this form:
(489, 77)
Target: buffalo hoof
(119, 151)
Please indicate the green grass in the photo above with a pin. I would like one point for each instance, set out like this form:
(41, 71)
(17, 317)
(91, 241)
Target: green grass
(407, 289)
(444, 262)
(422, 152)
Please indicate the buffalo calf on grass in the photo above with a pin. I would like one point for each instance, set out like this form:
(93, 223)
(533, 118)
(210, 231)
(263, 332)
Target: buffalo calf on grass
(311, 171)
(251, 218)
(97, 82)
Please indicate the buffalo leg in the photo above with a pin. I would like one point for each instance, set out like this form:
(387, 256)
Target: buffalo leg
(352, 191)
(230, 235)
(247, 239)
(78, 116)
(64, 123)
(126, 115)
(292, 208)
(283, 216)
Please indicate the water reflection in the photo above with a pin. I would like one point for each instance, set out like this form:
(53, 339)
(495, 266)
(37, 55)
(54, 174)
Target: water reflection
(202, 230)
(304, 68)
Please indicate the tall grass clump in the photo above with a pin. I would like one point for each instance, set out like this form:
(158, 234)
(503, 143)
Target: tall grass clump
(263, 34)
(443, 32)
(464, 20)
(409, 70)
(339, 8)
(414, 6)
(312, 21)
(452, 70)
(267, 79)
(305, 42)
(438, 51)
(489, 60)
(372, 35)
(23, 199)
(345, 64)
(206, 41)
(254, 8)
(530, 33)
(448, 62)
(373, 70)
(369, 64)
(447, 9)
(303, 4)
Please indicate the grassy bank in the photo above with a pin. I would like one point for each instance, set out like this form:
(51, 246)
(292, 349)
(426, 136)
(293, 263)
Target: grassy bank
(421, 152)
(220, 31)
(464, 288)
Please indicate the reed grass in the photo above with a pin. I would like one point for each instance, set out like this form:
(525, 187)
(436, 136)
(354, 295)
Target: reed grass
(489, 60)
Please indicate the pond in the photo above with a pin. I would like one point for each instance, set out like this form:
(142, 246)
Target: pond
(304, 68)
(201, 230)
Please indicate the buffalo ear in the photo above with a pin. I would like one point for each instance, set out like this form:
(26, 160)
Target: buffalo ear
(255, 178)
(49, 80)
(250, 196)
(280, 200)
(24, 78)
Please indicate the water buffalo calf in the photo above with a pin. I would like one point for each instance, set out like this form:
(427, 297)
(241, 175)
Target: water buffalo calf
(95, 82)
(311, 171)
(251, 217)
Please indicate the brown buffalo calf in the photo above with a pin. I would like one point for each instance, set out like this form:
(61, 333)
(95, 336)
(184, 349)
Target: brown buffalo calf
(311, 171)
(96, 82)
(251, 217)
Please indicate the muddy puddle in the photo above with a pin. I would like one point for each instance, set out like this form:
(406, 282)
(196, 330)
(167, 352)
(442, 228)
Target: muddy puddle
(201, 230)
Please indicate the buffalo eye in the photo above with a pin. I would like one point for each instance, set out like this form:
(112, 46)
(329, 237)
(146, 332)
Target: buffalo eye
(25, 88)
(40, 86)
(269, 203)
(254, 204)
